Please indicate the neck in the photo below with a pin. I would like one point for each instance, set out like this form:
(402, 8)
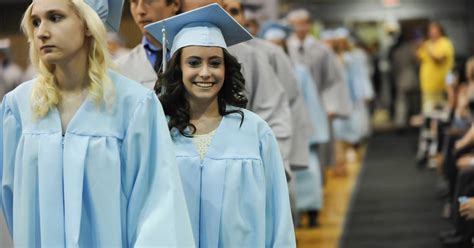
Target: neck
(301, 37)
(201, 109)
(72, 75)
(435, 38)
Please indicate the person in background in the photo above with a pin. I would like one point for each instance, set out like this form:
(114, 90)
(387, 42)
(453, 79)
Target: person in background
(284, 70)
(305, 49)
(87, 160)
(144, 60)
(436, 57)
(10, 73)
(231, 168)
(309, 188)
(352, 131)
(404, 66)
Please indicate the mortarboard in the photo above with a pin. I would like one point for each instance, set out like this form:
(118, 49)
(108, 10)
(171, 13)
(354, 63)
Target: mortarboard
(275, 31)
(109, 11)
(210, 25)
(327, 34)
(341, 33)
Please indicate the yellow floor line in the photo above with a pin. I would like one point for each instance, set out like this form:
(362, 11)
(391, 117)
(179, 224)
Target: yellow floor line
(337, 195)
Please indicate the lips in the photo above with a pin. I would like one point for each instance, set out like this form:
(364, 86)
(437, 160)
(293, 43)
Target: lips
(144, 22)
(46, 47)
(204, 85)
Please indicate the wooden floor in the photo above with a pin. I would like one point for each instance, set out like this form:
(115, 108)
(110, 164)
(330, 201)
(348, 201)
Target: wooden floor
(337, 195)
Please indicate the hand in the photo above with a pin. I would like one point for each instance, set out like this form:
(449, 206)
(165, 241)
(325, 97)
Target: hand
(467, 209)
(466, 139)
(464, 162)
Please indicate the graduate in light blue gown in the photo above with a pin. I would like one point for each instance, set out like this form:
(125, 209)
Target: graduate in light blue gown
(231, 168)
(356, 127)
(309, 188)
(87, 160)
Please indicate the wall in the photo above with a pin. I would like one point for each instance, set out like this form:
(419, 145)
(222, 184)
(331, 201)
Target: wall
(453, 14)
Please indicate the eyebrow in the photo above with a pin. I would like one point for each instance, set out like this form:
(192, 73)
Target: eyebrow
(199, 57)
(49, 12)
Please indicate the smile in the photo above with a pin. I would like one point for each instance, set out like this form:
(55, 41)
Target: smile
(204, 84)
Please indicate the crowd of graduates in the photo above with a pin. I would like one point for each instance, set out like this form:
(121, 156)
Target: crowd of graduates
(215, 130)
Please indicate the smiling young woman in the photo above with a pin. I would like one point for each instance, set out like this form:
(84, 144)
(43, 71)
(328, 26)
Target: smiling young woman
(230, 164)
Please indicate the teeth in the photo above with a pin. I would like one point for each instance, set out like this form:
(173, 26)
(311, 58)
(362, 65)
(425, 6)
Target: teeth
(204, 85)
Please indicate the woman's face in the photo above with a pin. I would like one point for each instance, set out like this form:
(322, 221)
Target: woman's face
(434, 31)
(59, 34)
(203, 72)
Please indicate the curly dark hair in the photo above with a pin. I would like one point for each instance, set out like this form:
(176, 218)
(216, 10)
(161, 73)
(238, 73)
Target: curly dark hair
(171, 92)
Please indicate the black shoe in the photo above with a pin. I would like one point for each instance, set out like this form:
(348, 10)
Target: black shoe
(449, 233)
(458, 241)
(313, 218)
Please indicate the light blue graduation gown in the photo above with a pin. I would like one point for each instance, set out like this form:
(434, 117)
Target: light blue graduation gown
(237, 196)
(357, 126)
(309, 189)
(111, 181)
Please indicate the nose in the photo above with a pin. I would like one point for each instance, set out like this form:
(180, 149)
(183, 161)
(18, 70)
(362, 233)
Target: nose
(141, 7)
(42, 32)
(204, 72)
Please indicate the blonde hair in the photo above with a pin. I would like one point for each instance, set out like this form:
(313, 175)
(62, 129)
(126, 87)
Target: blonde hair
(45, 94)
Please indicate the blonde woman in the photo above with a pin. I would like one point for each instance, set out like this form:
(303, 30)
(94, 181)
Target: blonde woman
(86, 155)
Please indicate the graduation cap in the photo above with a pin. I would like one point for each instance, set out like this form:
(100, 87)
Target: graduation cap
(341, 33)
(109, 11)
(275, 31)
(327, 34)
(207, 26)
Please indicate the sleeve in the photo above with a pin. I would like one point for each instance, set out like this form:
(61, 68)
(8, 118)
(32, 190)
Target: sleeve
(447, 49)
(301, 127)
(278, 221)
(10, 133)
(157, 215)
(316, 112)
(368, 89)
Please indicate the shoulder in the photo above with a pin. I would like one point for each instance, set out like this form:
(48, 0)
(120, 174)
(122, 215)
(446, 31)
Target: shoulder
(18, 100)
(128, 91)
(21, 93)
(131, 55)
(445, 42)
(252, 122)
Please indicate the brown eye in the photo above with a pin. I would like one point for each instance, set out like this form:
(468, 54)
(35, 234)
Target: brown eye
(234, 11)
(36, 22)
(55, 17)
(193, 62)
(215, 63)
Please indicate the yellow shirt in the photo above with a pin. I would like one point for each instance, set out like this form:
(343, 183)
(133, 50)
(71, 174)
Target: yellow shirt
(432, 75)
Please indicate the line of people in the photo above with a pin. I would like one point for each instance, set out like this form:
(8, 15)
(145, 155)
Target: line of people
(211, 138)
(446, 138)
